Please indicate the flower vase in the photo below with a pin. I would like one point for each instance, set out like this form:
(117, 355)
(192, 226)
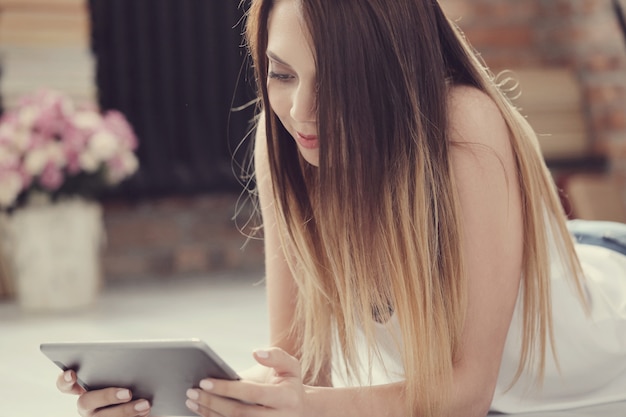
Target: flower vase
(53, 253)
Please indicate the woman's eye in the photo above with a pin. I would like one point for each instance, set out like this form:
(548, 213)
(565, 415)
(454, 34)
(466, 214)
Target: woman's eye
(279, 76)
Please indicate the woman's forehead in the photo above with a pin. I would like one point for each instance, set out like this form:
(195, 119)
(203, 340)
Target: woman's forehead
(296, 4)
(286, 28)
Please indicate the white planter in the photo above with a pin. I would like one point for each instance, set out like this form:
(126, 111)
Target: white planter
(53, 254)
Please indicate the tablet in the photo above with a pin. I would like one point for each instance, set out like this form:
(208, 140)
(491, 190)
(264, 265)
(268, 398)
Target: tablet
(160, 371)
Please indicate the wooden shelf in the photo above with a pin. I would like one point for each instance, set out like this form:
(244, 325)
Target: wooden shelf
(44, 23)
(43, 5)
(45, 44)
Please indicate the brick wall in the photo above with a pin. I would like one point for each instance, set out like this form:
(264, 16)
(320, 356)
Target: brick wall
(178, 236)
(579, 34)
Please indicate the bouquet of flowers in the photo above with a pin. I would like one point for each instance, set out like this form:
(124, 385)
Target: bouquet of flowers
(49, 146)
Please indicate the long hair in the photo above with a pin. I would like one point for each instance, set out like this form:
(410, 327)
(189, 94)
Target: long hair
(384, 236)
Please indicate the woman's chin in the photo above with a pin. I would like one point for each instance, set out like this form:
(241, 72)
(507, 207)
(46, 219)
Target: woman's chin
(312, 156)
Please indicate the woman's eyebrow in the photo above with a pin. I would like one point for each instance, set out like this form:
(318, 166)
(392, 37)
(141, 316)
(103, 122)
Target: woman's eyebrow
(275, 57)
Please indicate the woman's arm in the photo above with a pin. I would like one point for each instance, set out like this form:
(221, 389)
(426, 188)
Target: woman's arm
(486, 174)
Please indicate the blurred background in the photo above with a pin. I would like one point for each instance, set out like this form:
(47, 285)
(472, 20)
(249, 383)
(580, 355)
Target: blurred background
(174, 258)
(174, 68)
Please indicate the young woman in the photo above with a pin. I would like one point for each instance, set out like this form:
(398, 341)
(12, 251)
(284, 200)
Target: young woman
(418, 260)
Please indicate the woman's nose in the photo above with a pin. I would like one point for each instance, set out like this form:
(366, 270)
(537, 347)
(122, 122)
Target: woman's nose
(303, 107)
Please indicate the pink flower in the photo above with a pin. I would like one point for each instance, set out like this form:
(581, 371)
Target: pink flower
(7, 128)
(51, 178)
(73, 162)
(75, 139)
(51, 122)
(73, 145)
(45, 139)
(116, 123)
(36, 141)
(121, 166)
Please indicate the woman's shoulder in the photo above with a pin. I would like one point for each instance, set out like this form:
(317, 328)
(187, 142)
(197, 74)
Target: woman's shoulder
(474, 116)
(469, 98)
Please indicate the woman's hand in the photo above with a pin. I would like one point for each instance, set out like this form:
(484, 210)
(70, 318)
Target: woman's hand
(283, 394)
(98, 403)
(257, 373)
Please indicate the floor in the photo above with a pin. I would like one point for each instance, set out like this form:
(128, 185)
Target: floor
(227, 311)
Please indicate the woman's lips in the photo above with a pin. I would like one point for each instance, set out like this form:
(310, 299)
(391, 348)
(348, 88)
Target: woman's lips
(307, 141)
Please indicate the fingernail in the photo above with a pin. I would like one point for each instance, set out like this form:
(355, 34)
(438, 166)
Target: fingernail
(193, 394)
(123, 394)
(67, 376)
(191, 405)
(206, 385)
(142, 406)
(263, 354)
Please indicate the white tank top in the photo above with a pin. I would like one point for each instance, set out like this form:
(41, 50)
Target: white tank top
(591, 349)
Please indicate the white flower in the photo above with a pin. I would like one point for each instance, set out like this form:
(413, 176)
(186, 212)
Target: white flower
(121, 167)
(27, 116)
(130, 162)
(103, 145)
(35, 161)
(21, 139)
(10, 187)
(8, 158)
(88, 162)
(87, 119)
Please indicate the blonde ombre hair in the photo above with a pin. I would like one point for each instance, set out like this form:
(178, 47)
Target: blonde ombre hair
(375, 230)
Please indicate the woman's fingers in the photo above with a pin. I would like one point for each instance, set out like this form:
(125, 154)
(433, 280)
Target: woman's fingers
(209, 405)
(283, 364)
(243, 392)
(98, 404)
(66, 383)
(282, 394)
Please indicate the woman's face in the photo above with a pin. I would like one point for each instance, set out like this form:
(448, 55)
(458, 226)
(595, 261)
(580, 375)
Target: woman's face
(291, 82)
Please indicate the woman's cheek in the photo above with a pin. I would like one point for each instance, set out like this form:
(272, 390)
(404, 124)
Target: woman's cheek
(279, 102)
